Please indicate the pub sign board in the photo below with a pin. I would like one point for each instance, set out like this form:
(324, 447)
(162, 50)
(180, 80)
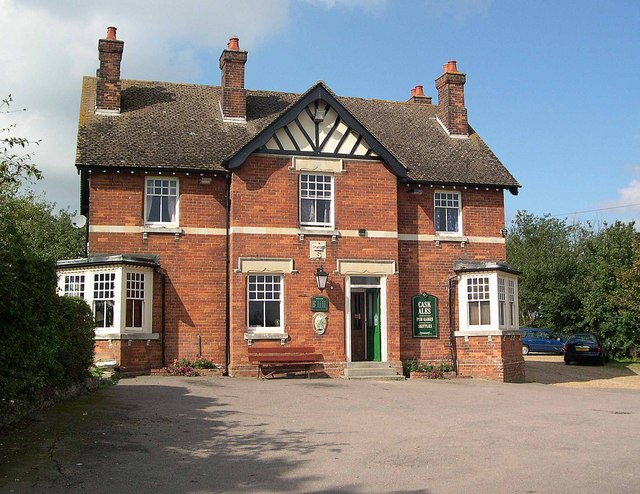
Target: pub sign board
(425, 316)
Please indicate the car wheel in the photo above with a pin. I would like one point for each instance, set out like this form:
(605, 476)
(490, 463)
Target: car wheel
(567, 361)
(525, 350)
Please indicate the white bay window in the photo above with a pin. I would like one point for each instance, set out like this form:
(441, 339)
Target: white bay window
(487, 296)
(119, 294)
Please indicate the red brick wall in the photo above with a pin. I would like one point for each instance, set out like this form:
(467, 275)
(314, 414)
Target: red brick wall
(133, 356)
(427, 267)
(255, 203)
(194, 265)
(498, 358)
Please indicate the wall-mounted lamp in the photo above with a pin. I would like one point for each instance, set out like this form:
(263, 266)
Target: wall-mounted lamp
(416, 192)
(321, 278)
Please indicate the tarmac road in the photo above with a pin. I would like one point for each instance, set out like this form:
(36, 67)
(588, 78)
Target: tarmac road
(203, 435)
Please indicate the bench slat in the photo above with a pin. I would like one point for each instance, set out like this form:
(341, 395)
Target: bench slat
(281, 350)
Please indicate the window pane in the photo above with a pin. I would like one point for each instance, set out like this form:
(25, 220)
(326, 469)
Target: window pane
(256, 314)
(323, 211)
(441, 220)
(502, 313)
(474, 314)
(154, 209)
(485, 313)
(452, 220)
(272, 314)
(307, 211)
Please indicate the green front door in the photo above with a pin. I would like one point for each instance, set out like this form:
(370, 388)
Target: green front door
(373, 325)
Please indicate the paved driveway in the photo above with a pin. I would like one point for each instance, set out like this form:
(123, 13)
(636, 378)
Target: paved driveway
(200, 435)
(551, 369)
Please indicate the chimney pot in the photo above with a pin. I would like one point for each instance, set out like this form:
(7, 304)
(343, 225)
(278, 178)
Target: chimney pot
(418, 91)
(450, 66)
(111, 32)
(233, 43)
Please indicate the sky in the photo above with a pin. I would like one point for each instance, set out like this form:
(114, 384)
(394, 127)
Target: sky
(553, 86)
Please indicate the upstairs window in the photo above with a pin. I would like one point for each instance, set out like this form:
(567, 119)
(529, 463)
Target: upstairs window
(103, 299)
(161, 202)
(447, 212)
(316, 201)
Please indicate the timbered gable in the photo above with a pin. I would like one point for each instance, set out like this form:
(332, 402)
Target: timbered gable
(319, 130)
(318, 124)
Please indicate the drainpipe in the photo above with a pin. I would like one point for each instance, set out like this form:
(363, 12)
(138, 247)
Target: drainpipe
(163, 279)
(452, 337)
(227, 336)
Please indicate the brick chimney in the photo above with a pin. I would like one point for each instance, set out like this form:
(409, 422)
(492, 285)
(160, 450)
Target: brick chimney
(109, 85)
(451, 110)
(234, 96)
(418, 96)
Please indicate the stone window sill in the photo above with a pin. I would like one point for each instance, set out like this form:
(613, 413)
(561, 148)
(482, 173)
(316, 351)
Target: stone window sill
(126, 336)
(256, 335)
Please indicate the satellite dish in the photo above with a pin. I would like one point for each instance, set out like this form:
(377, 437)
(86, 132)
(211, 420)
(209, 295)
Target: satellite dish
(79, 220)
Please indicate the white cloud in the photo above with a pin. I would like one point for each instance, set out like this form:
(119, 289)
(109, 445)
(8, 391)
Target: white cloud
(627, 204)
(376, 6)
(48, 47)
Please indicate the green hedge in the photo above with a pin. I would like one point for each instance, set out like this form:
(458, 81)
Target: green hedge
(45, 340)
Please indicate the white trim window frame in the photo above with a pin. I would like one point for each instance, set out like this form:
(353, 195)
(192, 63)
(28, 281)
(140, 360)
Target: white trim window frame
(316, 200)
(265, 303)
(478, 301)
(502, 303)
(135, 300)
(104, 300)
(482, 296)
(161, 201)
(73, 285)
(110, 292)
(447, 212)
(513, 307)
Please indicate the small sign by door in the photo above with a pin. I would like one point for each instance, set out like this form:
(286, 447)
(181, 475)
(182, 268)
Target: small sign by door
(319, 304)
(425, 316)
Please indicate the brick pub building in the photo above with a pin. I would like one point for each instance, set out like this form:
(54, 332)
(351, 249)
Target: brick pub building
(211, 209)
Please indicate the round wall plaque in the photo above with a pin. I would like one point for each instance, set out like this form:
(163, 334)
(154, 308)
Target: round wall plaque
(319, 322)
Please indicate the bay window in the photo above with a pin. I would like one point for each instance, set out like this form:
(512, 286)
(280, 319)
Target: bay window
(487, 296)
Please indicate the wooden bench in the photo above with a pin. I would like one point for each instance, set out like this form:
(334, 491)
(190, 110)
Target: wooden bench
(283, 359)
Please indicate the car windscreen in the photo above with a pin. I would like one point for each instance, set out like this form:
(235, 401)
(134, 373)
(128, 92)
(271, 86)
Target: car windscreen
(583, 338)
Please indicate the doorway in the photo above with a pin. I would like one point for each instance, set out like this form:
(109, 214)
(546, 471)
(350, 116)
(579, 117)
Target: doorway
(365, 328)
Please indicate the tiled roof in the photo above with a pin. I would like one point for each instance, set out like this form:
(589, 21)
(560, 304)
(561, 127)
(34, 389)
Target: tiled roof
(179, 127)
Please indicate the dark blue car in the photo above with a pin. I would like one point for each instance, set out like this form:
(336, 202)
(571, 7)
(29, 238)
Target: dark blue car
(541, 340)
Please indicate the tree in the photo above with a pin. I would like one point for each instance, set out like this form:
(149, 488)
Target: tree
(545, 250)
(628, 303)
(607, 284)
(49, 234)
(14, 167)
